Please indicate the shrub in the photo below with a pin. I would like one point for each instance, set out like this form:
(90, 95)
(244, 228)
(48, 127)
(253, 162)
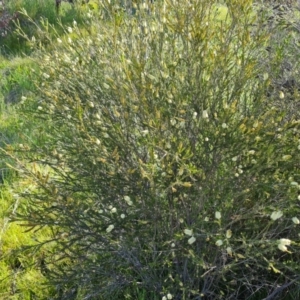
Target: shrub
(161, 168)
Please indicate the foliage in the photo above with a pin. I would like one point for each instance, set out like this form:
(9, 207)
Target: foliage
(20, 268)
(15, 80)
(21, 275)
(163, 166)
(21, 13)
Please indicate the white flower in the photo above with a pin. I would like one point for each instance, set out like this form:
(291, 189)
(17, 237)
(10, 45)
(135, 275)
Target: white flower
(91, 104)
(296, 220)
(228, 233)
(173, 122)
(234, 158)
(251, 152)
(113, 210)
(106, 86)
(59, 40)
(285, 242)
(218, 215)
(229, 251)
(191, 240)
(110, 228)
(205, 114)
(122, 216)
(281, 95)
(276, 215)
(128, 200)
(97, 116)
(224, 125)
(286, 157)
(169, 296)
(145, 6)
(74, 23)
(173, 245)
(70, 29)
(219, 243)
(206, 139)
(282, 248)
(46, 75)
(195, 115)
(145, 132)
(164, 298)
(206, 219)
(299, 197)
(39, 108)
(188, 232)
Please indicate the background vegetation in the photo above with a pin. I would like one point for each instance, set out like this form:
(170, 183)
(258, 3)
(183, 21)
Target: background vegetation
(150, 151)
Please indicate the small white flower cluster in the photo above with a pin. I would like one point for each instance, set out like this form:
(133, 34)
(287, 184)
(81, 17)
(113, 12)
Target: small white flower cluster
(281, 95)
(110, 228)
(219, 243)
(205, 114)
(228, 235)
(169, 296)
(224, 125)
(282, 243)
(128, 200)
(218, 216)
(276, 215)
(286, 157)
(239, 171)
(113, 210)
(46, 76)
(189, 232)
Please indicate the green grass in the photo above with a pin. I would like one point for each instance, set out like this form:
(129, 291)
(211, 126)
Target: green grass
(20, 271)
(20, 274)
(39, 11)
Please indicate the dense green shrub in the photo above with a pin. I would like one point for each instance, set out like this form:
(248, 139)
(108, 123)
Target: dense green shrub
(162, 167)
